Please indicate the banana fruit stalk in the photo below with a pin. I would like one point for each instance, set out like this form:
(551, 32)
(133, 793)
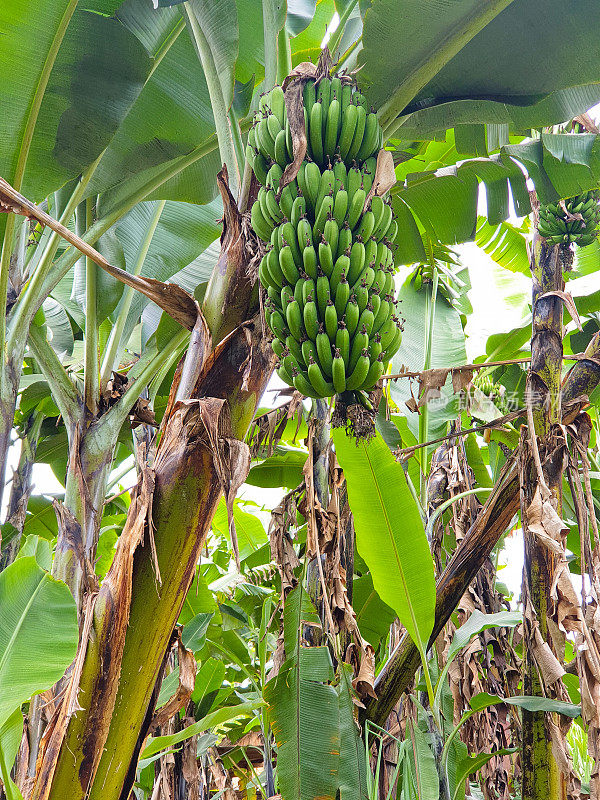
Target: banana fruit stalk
(328, 267)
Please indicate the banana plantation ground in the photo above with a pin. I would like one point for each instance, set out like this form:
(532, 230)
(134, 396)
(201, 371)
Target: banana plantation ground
(261, 470)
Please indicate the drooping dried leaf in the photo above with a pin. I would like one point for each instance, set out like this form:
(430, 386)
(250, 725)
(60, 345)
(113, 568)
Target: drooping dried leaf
(168, 296)
(294, 106)
(185, 686)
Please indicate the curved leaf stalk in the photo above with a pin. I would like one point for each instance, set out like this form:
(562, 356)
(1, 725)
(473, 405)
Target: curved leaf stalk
(114, 345)
(439, 54)
(271, 27)
(15, 330)
(64, 392)
(336, 36)
(284, 56)
(542, 777)
(91, 367)
(215, 91)
(36, 292)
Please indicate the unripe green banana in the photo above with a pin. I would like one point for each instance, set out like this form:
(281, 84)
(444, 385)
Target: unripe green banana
(359, 132)
(348, 128)
(331, 129)
(278, 326)
(358, 375)
(342, 295)
(259, 224)
(374, 374)
(355, 208)
(304, 386)
(325, 258)
(324, 351)
(341, 175)
(352, 315)
(304, 235)
(318, 382)
(340, 206)
(331, 321)
(281, 152)
(312, 176)
(309, 289)
(288, 235)
(298, 211)
(276, 100)
(338, 373)
(293, 316)
(326, 185)
(274, 176)
(275, 267)
(366, 226)
(324, 96)
(342, 341)
(309, 260)
(344, 240)
(370, 138)
(288, 265)
(354, 183)
(357, 262)
(323, 295)
(323, 215)
(316, 134)
(360, 342)
(311, 320)
(331, 234)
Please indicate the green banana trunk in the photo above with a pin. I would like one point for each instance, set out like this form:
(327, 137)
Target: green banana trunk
(541, 774)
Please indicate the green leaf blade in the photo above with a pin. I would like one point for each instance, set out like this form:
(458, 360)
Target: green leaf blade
(389, 532)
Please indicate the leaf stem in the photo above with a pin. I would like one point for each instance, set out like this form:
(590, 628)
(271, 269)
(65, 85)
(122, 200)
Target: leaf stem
(113, 347)
(217, 100)
(437, 56)
(270, 32)
(35, 292)
(91, 376)
(284, 55)
(336, 36)
(424, 417)
(62, 389)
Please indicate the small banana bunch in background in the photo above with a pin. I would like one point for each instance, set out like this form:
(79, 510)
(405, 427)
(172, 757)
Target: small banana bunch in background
(328, 267)
(571, 221)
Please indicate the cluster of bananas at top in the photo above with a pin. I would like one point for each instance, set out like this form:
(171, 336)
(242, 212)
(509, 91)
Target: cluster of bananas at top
(328, 269)
(336, 121)
(496, 392)
(576, 223)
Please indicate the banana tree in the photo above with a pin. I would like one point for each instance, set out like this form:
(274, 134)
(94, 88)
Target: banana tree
(141, 186)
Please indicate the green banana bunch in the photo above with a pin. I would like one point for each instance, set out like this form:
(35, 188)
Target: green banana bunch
(495, 391)
(577, 225)
(331, 305)
(328, 269)
(336, 119)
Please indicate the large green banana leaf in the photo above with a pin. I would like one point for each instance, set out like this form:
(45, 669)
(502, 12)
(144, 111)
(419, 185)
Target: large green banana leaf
(389, 531)
(503, 57)
(70, 74)
(38, 633)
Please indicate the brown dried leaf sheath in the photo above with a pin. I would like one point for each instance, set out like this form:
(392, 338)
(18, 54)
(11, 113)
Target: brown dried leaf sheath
(168, 296)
